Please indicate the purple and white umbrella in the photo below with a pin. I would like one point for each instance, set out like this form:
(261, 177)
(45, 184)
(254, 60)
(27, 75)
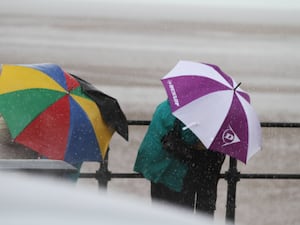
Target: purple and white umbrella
(215, 108)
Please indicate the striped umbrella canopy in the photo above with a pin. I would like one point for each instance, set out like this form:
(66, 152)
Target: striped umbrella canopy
(46, 110)
(215, 108)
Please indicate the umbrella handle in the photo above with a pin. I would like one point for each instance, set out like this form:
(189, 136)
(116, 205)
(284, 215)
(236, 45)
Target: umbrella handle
(190, 125)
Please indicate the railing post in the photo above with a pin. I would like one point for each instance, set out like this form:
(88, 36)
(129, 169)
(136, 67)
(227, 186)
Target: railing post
(103, 175)
(232, 176)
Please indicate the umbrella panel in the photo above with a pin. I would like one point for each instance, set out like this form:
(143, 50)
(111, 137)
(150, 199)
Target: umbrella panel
(233, 135)
(189, 88)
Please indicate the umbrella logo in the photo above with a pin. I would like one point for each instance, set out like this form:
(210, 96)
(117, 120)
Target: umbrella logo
(229, 137)
(173, 92)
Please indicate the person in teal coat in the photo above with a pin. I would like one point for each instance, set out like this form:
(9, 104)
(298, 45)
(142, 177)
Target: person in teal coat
(179, 167)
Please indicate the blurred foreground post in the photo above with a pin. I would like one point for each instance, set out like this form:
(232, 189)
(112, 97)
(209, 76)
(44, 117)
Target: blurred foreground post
(39, 167)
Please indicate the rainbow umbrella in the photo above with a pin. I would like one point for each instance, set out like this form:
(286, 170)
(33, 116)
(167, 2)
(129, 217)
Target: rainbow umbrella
(46, 110)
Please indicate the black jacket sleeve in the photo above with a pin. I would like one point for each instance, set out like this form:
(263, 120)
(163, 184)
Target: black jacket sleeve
(173, 144)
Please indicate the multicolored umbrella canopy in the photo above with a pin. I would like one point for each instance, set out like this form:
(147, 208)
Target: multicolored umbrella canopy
(46, 110)
(215, 108)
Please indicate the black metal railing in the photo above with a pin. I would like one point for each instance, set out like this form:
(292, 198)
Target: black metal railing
(232, 175)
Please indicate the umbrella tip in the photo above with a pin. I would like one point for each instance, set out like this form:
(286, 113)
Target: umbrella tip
(237, 86)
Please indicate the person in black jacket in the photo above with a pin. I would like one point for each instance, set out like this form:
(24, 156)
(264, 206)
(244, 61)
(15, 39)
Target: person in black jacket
(200, 183)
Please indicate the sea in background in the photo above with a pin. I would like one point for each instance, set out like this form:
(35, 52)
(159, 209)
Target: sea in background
(125, 47)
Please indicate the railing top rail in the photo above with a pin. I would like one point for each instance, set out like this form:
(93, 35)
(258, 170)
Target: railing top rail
(280, 124)
(263, 124)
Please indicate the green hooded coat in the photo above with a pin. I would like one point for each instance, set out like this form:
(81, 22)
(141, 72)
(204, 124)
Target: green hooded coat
(152, 160)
